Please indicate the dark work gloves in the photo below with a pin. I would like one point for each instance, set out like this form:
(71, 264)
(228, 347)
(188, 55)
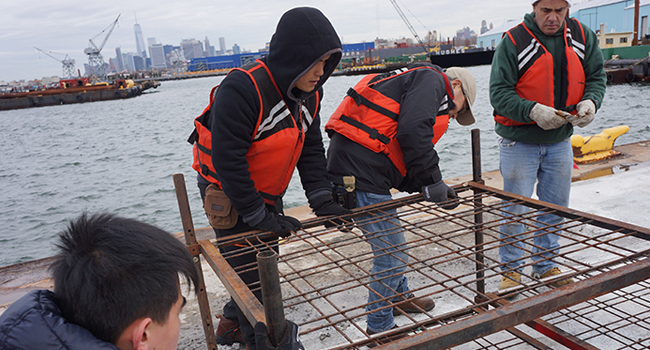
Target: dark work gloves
(325, 206)
(280, 224)
(441, 194)
(289, 341)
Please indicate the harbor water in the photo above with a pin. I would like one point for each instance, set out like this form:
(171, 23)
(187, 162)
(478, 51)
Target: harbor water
(119, 156)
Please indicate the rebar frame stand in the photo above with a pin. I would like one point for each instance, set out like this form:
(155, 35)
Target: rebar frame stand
(453, 257)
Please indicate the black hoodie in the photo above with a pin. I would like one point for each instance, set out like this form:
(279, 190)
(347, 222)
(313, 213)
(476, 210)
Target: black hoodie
(302, 38)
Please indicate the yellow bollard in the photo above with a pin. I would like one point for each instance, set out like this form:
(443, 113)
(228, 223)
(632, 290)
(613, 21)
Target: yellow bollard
(597, 147)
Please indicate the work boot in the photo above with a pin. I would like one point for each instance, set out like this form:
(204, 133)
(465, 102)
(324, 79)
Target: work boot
(228, 332)
(556, 271)
(384, 340)
(414, 305)
(509, 280)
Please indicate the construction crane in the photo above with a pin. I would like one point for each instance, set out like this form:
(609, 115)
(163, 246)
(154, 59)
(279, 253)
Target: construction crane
(96, 68)
(408, 24)
(68, 63)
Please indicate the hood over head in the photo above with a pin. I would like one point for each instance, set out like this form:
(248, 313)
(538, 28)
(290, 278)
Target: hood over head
(302, 38)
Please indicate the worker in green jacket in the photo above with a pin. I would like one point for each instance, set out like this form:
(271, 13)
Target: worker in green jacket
(547, 77)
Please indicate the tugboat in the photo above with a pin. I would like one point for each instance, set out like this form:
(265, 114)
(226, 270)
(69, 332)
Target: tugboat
(77, 90)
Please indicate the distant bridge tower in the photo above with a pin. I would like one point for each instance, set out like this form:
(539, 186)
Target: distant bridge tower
(96, 67)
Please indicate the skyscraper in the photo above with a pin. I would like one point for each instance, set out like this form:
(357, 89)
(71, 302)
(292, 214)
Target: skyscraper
(120, 63)
(222, 45)
(192, 48)
(209, 49)
(151, 42)
(157, 56)
(139, 40)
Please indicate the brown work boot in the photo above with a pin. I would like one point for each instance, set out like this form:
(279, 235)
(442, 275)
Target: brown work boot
(384, 340)
(228, 332)
(556, 271)
(510, 280)
(414, 305)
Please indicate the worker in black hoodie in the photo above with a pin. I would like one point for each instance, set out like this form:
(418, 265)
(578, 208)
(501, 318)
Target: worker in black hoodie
(264, 122)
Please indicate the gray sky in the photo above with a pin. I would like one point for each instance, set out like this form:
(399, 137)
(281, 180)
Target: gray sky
(66, 26)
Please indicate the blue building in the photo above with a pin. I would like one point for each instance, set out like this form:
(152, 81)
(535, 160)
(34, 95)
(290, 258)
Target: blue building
(238, 60)
(223, 61)
(612, 15)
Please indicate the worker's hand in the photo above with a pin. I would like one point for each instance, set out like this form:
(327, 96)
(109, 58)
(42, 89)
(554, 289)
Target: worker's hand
(548, 118)
(586, 112)
(280, 224)
(441, 194)
(325, 206)
(289, 341)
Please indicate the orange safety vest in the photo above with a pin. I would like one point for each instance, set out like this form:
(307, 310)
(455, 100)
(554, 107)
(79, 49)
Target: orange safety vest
(277, 141)
(536, 78)
(369, 118)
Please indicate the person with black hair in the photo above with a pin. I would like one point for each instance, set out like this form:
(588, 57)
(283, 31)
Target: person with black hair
(116, 286)
(263, 122)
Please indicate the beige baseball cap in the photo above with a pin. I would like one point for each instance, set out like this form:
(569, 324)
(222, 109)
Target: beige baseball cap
(532, 2)
(468, 85)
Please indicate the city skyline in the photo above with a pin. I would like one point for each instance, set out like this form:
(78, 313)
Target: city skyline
(39, 23)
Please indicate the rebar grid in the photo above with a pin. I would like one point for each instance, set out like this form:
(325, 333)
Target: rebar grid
(325, 275)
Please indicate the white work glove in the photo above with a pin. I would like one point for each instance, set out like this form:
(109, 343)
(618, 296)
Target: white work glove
(586, 112)
(548, 118)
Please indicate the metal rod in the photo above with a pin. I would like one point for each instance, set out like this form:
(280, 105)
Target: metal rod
(478, 215)
(192, 246)
(267, 262)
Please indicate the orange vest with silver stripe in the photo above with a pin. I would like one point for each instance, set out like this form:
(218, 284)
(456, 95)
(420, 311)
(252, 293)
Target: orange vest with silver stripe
(369, 118)
(277, 141)
(536, 75)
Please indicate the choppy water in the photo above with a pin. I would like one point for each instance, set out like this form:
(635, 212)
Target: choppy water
(119, 156)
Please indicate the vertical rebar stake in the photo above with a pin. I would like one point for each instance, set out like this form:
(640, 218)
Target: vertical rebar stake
(267, 262)
(478, 215)
(193, 246)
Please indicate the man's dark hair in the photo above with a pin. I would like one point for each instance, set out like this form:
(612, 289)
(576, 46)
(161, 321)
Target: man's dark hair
(111, 271)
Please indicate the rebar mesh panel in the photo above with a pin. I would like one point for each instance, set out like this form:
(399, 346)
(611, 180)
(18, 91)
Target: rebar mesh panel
(453, 257)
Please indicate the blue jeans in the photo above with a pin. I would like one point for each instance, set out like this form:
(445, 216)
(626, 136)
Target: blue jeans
(522, 164)
(388, 265)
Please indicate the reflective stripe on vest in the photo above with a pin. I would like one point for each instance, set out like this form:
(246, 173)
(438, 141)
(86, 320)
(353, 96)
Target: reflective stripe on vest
(276, 142)
(536, 69)
(369, 118)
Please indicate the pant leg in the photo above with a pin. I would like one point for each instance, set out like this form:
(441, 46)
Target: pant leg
(387, 241)
(519, 164)
(554, 186)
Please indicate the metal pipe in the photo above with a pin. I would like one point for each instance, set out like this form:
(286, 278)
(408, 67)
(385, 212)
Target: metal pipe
(267, 262)
(478, 215)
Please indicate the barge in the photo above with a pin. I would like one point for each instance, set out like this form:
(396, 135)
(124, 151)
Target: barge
(75, 91)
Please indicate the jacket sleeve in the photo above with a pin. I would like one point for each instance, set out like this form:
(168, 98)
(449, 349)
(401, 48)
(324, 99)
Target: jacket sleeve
(424, 92)
(595, 76)
(503, 78)
(312, 165)
(234, 115)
